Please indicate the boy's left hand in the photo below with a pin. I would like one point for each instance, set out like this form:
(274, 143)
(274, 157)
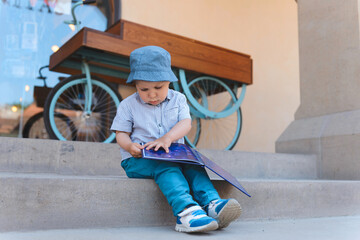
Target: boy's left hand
(163, 142)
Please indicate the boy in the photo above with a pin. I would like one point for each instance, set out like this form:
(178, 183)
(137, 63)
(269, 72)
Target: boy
(160, 116)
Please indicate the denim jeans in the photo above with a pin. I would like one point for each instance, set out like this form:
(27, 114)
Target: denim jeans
(175, 181)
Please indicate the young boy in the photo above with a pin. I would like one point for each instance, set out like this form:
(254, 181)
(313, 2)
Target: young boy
(160, 116)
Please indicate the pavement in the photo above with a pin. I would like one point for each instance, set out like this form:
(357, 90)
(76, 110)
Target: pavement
(334, 228)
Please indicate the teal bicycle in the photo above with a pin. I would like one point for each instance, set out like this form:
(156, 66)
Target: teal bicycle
(90, 102)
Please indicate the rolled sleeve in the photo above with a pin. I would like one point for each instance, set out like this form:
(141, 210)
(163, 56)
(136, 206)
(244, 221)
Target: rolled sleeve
(184, 110)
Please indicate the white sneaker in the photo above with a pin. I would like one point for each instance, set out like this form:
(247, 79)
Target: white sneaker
(194, 219)
(224, 211)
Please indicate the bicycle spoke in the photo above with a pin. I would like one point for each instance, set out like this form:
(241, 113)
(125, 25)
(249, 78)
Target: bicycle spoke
(63, 103)
(100, 106)
(99, 98)
(101, 132)
(75, 97)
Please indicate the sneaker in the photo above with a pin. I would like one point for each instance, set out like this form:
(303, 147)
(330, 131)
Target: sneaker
(224, 211)
(194, 219)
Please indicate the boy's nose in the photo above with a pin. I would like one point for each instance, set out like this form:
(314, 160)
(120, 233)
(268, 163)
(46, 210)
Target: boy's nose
(152, 94)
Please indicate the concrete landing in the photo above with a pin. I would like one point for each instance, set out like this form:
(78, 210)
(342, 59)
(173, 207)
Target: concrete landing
(344, 228)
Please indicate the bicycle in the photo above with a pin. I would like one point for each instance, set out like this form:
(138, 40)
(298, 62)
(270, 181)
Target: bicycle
(89, 101)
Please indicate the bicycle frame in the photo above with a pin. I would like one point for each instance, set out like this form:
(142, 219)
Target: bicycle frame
(88, 88)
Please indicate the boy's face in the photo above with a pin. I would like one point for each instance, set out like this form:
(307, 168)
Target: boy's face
(152, 92)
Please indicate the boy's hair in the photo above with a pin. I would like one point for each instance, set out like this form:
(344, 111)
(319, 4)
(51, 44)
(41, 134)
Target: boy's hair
(151, 63)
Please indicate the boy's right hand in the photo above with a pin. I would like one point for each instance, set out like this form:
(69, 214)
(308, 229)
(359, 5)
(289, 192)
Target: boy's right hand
(123, 139)
(135, 150)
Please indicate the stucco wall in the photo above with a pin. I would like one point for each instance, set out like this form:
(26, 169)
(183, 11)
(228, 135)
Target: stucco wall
(264, 29)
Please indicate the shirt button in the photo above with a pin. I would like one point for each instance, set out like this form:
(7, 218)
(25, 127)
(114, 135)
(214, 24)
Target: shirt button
(159, 125)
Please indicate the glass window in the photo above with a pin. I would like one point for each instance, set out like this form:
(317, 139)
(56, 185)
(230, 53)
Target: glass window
(30, 31)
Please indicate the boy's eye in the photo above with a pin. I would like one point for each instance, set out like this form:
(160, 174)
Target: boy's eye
(143, 89)
(158, 88)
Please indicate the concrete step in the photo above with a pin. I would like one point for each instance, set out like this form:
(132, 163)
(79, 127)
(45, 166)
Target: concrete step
(80, 158)
(335, 228)
(50, 201)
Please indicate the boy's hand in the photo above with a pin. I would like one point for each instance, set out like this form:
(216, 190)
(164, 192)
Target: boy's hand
(163, 142)
(135, 150)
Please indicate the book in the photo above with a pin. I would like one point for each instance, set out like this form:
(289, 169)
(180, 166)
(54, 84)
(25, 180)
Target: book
(182, 153)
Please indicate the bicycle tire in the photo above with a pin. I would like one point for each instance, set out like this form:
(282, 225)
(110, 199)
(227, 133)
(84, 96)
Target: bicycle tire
(216, 96)
(35, 127)
(192, 138)
(69, 97)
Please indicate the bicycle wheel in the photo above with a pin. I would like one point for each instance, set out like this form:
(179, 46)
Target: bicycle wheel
(192, 138)
(69, 97)
(35, 127)
(213, 94)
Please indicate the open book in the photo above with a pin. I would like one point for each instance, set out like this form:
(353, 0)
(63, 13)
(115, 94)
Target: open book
(182, 153)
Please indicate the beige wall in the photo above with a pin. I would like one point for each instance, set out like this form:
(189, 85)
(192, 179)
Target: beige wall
(264, 29)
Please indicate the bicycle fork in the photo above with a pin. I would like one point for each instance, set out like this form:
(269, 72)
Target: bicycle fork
(88, 89)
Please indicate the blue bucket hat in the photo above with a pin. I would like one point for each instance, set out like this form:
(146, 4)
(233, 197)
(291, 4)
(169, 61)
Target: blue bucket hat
(151, 63)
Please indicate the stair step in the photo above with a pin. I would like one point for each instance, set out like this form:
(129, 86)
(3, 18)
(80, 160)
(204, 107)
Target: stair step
(51, 201)
(265, 165)
(81, 158)
(334, 228)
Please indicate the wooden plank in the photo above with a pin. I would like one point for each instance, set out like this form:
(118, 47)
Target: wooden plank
(66, 50)
(181, 45)
(72, 71)
(110, 46)
(68, 58)
(97, 41)
(109, 43)
(188, 53)
(115, 28)
(114, 72)
(212, 69)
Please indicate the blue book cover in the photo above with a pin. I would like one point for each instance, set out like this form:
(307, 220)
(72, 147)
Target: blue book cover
(177, 153)
(182, 153)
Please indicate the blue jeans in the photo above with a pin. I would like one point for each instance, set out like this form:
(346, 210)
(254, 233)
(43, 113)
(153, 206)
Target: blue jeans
(175, 181)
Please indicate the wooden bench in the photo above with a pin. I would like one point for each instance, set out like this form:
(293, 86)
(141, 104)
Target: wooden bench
(107, 53)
